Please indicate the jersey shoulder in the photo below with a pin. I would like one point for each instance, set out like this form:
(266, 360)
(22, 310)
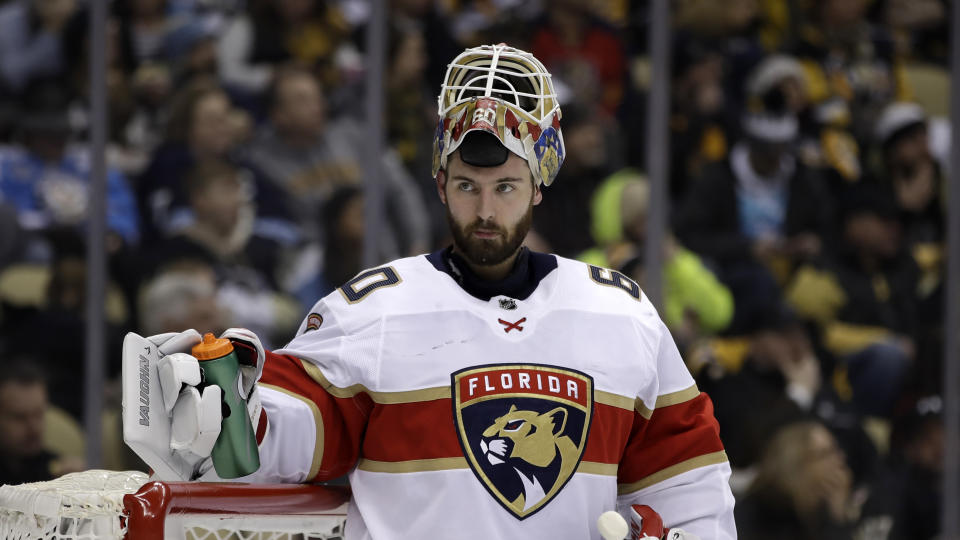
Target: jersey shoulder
(596, 288)
(399, 286)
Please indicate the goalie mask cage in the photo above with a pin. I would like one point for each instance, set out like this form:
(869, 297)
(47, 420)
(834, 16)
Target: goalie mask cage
(95, 505)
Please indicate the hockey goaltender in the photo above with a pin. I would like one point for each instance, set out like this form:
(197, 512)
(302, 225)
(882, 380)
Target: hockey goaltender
(483, 391)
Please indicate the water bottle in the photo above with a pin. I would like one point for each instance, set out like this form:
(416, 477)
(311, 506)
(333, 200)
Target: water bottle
(235, 452)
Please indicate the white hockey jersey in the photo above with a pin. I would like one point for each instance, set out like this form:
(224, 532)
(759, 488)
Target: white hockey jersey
(503, 418)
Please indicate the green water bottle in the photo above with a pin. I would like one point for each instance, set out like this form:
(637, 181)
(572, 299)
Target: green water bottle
(235, 452)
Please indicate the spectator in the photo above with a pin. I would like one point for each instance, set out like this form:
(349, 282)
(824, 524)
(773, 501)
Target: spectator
(192, 49)
(412, 112)
(274, 32)
(851, 61)
(124, 93)
(23, 404)
(695, 303)
(582, 52)
(426, 18)
(921, 28)
(223, 214)
(761, 203)
(146, 27)
(593, 149)
(47, 180)
(863, 299)
(742, 31)
(913, 159)
(308, 157)
(711, 20)
(780, 81)
(802, 491)
(222, 234)
(906, 500)
(907, 144)
(475, 22)
(757, 214)
(30, 40)
(700, 111)
(182, 295)
(203, 125)
(777, 381)
(344, 231)
(158, 49)
(62, 314)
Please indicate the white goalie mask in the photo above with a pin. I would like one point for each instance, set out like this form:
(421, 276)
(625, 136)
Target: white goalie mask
(507, 93)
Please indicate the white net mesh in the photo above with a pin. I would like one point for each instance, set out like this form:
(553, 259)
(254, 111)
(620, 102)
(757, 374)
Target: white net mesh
(89, 506)
(77, 506)
(207, 527)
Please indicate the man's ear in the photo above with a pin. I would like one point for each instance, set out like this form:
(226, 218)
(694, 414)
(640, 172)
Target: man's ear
(441, 181)
(537, 195)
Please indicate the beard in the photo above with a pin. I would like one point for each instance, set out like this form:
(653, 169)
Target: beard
(489, 251)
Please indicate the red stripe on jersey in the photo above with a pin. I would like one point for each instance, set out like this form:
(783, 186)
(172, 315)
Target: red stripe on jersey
(344, 419)
(673, 434)
(406, 431)
(426, 429)
(608, 434)
(399, 432)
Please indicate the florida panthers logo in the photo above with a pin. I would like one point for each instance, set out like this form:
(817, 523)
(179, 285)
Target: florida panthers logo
(523, 429)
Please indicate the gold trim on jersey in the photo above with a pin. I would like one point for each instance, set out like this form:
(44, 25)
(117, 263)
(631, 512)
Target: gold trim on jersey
(443, 392)
(673, 470)
(602, 469)
(679, 396)
(383, 398)
(414, 465)
(318, 418)
(642, 409)
(613, 400)
(446, 464)
(666, 400)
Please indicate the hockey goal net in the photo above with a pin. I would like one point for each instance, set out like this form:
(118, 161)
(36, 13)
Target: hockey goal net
(116, 505)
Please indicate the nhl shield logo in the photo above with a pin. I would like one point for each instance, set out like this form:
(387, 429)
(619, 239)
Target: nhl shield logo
(523, 429)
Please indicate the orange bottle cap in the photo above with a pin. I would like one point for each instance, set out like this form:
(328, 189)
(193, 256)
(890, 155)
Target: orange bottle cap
(212, 347)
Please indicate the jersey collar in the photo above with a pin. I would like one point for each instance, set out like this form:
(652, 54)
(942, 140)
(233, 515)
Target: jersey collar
(528, 271)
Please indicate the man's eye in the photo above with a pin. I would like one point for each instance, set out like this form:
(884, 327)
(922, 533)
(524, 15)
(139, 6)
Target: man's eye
(505, 188)
(465, 186)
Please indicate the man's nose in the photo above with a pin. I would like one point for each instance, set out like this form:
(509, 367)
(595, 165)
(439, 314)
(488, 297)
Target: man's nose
(486, 206)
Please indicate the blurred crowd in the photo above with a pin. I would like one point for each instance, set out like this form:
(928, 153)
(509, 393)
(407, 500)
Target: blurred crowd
(802, 271)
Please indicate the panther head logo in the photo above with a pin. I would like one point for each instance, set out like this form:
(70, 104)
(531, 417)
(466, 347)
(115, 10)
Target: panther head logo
(532, 445)
(523, 429)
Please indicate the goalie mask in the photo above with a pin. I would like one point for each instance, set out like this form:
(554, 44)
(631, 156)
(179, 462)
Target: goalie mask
(508, 94)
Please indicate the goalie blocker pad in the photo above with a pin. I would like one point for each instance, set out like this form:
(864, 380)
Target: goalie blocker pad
(146, 426)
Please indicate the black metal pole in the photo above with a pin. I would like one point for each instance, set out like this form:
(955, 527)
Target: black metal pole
(951, 347)
(372, 170)
(658, 149)
(96, 259)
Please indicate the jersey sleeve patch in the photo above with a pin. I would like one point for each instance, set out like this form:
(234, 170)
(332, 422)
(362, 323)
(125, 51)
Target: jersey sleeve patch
(314, 321)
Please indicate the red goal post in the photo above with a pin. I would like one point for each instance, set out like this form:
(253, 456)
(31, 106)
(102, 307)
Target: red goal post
(95, 505)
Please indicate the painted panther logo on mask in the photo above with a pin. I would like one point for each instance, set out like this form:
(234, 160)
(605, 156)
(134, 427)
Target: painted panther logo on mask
(523, 429)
